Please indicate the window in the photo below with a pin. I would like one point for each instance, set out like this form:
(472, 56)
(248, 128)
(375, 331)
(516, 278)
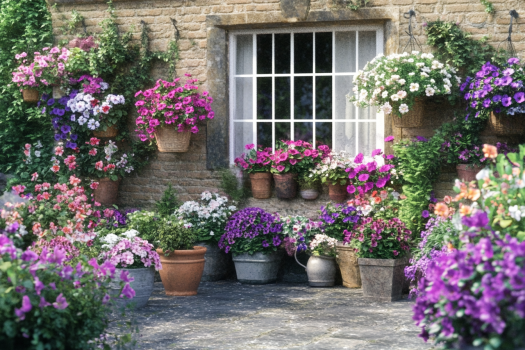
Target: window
(294, 84)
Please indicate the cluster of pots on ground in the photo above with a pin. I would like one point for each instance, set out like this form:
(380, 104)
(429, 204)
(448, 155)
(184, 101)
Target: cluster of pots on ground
(183, 270)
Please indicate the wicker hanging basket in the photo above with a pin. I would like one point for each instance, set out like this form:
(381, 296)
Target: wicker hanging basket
(107, 191)
(30, 95)
(503, 124)
(111, 131)
(170, 140)
(414, 117)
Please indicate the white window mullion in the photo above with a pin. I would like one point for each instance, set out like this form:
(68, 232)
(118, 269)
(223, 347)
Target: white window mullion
(356, 111)
(334, 146)
(273, 90)
(254, 83)
(292, 88)
(314, 115)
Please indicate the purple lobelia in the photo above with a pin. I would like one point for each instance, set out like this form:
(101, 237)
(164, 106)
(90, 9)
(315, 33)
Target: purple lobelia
(475, 296)
(252, 230)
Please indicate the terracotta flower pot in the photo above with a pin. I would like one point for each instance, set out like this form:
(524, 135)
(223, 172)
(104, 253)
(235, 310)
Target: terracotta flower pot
(347, 261)
(261, 185)
(467, 172)
(182, 271)
(111, 131)
(170, 140)
(338, 193)
(285, 185)
(30, 95)
(107, 191)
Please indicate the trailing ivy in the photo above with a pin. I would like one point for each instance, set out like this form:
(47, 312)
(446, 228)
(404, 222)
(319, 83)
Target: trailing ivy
(25, 25)
(489, 7)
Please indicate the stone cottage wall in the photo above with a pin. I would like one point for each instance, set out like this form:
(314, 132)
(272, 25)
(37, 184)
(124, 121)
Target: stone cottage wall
(204, 23)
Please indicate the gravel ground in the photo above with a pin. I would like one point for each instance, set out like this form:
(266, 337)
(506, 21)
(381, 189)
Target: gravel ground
(230, 315)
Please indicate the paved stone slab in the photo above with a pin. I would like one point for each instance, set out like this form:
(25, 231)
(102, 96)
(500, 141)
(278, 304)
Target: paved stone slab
(232, 316)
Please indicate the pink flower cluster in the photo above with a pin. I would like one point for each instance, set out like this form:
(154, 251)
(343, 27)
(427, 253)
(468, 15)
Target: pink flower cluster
(130, 251)
(46, 68)
(297, 156)
(85, 44)
(168, 103)
(254, 160)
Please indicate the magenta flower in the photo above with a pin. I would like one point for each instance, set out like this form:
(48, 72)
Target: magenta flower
(376, 152)
(293, 161)
(250, 146)
(280, 168)
(363, 177)
(43, 303)
(26, 307)
(350, 189)
(425, 214)
(124, 276)
(369, 186)
(127, 292)
(359, 159)
(389, 138)
(381, 182)
(351, 173)
(61, 302)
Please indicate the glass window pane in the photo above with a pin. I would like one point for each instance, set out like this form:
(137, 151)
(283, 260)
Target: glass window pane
(243, 135)
(264, 98)
(282, 97)
(367, 113)
(323, 52)
(244, 98)
(303, 52)
(345, 137)
(264, 54)
(344, 109)
(366, 47)
(323, 97)
(303, 131)
(303, 87)
(282, 53)
(264, 134)
(244, 54)
(345, 52)
(282, 131)
(367, 137)
(323, 134)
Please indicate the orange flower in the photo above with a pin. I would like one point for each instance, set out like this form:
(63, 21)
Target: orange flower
(474, 194)
(490, 151)
(403, 196)
(447, 199)
(374, 193)
(441, 210)
(465, 210)
(377, 200)
(450, 247)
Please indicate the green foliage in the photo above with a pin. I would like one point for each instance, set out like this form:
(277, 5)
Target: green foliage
(458, 49)
(230, 186)
(489, 7)
(146, 222)
(25, 26)
(309, 183)
(440, 232)
(168, 203)
(172, 235)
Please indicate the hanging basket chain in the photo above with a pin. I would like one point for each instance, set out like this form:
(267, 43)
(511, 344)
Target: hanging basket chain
(413, 43)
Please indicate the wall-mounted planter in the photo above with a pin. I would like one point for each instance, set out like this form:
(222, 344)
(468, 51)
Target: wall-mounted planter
(503, 124)
(30, 95)
(413, 118)
(111, 131)
(171, 141)
(107, 191)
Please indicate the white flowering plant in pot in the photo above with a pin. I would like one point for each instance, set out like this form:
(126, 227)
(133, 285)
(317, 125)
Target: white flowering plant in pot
(207, 216)
(395, 82)
(332, 169)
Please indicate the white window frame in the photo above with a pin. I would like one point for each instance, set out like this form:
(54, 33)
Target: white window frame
(379, 120)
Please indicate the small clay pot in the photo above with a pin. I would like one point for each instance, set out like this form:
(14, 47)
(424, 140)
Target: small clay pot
(30, 95)
(182, 271)
(107, 191)
(468, 172)
(285, 185)
(111, 131)
(338, 193)
(261, 185)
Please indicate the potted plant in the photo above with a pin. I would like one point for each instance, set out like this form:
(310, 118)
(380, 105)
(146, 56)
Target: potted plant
(46, 68)
(256, 162)
(337, 222)
(366, 173)
(321, 267)
(332, 171)
(400, 83)
(106, 166)
(499, 91)
(309, 186)
(289, 160)
(381, 247)
(254, 237)
(182, 260)
(170, 112)
(208, 217)
(135, 261)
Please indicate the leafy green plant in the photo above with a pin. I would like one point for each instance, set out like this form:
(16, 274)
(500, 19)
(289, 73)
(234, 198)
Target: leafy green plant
(489, 7)
(146, 223)
(168, 203)
(173, 235)
(230, 186)
(308, 183)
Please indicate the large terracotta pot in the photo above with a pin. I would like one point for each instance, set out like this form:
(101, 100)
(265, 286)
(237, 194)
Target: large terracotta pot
(170, 140)
(503, 124)
(347, 261)
(182, 271)
(261, 185)
(111, 131)
(467, 172)
(30, 95)
(285, 185)
(107, 191)
(382, 279)
(338, 193)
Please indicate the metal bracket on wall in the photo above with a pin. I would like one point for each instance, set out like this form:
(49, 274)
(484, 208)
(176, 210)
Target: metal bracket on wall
(177, 33)
(509, 45)
(413, 43)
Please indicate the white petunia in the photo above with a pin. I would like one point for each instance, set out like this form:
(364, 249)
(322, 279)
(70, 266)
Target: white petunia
(403, 108)
(386, 108)
(402, 81)
(423, 74)
(414, 87)
(430, 91)
(411, 73)
(384, 94)
(394, 97)
(402, 94)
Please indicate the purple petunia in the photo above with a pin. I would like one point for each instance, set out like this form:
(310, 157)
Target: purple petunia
(425, 214)
(496, 98)
(363, 177)
(486, 103)
(519, 97)
(506, 101)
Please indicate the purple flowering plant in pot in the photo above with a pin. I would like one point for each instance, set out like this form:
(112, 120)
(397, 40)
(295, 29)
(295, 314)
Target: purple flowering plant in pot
(36, 288)
(254, 237)
(369, 173)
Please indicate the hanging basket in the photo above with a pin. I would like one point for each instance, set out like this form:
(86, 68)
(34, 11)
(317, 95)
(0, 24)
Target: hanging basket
(111, 131)
(107, 191)
(413, 118)
(30, 95)
(503, 124)
(170, 140)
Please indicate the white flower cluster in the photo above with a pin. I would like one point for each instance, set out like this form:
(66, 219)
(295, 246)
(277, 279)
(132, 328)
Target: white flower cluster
(112, 239)
(393, 78)
(323, 241)
(213, 209)
(88, 106)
